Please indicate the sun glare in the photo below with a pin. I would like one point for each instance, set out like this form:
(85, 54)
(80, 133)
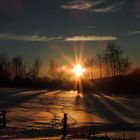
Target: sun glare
(78, 70)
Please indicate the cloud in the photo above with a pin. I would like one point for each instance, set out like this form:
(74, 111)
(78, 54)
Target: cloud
(134, 32)
(108, 9)
(31, 38)
(81, 4)
(90, 38)
(96, 6)
(39, 38)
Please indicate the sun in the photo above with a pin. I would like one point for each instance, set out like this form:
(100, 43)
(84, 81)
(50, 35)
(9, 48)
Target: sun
(78, 70)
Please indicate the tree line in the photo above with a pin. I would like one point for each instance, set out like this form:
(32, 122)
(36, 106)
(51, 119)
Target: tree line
(111, 63)
(16, 69)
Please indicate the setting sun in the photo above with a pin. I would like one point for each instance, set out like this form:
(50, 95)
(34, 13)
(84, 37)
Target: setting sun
(78, 70)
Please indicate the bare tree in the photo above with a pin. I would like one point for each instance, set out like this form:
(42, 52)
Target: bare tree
(18, 68)
(99, 61)
(90, 65)
(4, 66)
(55, 70)
(116, 63)
(52, 69)
(35, 69)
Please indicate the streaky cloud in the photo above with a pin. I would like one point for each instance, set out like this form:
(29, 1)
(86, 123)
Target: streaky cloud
(81, 4)
(134, 32)
(39, 38)
(108, 9)
(32, 38)
(97, 6)
(90, 38)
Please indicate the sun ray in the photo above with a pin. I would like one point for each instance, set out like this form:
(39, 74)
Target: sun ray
(78, 70)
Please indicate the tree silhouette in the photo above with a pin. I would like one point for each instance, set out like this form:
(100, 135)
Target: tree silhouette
(4, 67)
(90, 65)
(35, 69)
(55, 71)
(115, 62)
(18, 69)
(99, 62)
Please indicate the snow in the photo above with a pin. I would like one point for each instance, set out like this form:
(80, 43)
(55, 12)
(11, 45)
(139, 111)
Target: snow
(27, 106)
(35, 108)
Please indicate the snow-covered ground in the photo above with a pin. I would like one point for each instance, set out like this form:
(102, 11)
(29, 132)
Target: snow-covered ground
(37, 108)
(29, 107)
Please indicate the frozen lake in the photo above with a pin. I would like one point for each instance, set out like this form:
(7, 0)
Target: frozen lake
(30, 107)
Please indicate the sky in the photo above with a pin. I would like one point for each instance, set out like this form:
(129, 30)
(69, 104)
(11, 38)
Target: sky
(62, 29)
